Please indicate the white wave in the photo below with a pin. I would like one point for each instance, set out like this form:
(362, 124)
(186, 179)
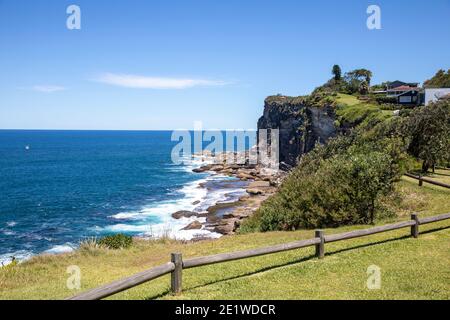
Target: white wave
(161, 212)
(65, 248)
(11, 223)
(127, 216)
(21, 255)
(190, 163)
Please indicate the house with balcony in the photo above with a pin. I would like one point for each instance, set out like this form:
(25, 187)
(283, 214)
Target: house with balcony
(403, 92)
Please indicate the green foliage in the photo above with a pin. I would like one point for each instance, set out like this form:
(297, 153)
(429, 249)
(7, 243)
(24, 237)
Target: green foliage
(283, 100)
(337, 73)
(116, 241)
(323, 96)
(428, 130)
(440, 80)
(357, 81)
(350, 180)
(385, 99)
(338, 184)
(356, 114)
(352, 112)
(380, 87)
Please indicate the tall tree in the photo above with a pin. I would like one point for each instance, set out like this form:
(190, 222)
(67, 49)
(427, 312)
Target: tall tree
(429, 131)
(440, 80)
(357, 79)
(337, 72)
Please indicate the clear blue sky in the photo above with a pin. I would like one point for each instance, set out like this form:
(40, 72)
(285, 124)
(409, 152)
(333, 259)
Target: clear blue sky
(164, 64)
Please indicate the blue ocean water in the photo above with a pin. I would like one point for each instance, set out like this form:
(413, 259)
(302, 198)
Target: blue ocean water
(57, 187)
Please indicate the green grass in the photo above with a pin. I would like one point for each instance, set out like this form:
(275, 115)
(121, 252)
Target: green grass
(440, 176)
(350, 110)
(410, 268)
(347, 100)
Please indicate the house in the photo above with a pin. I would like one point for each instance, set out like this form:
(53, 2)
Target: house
(411, 97)
(434, 94)
(402, 92)
(397, 83)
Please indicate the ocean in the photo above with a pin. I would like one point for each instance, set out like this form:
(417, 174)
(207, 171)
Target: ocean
(60, 187)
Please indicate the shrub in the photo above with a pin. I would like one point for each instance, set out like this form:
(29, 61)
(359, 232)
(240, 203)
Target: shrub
(386, 100)
(116, 241)
(428, 129)
(342, 183)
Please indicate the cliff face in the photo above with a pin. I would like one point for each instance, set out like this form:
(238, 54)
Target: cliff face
(300, 126)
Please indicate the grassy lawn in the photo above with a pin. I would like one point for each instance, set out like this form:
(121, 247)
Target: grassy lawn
(410, 268)
(352, 110)
(347, 99)
(440, 175)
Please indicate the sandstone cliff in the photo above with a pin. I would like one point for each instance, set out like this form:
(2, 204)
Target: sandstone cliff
(301, 126)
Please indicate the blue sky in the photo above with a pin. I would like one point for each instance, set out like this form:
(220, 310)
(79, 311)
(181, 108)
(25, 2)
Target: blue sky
(165, 64)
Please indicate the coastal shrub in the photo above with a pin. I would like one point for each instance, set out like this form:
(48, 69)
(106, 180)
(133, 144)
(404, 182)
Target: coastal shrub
(440, 80)
(386, 100)
(428, 130)
(342, 183)
(116, 241)
(90, 245)
(356, 114)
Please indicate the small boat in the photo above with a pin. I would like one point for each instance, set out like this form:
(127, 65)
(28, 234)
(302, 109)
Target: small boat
(27, 147)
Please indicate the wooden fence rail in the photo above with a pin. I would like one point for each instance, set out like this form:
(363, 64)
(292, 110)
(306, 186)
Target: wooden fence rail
(422, 180)
(176, 266)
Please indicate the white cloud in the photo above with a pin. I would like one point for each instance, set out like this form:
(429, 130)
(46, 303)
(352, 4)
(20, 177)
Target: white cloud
(143, 82)
(48, 88)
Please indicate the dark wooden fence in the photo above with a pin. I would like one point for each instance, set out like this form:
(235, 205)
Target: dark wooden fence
(177, 264)
(422, 180)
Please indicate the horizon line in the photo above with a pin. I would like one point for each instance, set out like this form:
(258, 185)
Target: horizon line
(125, 130)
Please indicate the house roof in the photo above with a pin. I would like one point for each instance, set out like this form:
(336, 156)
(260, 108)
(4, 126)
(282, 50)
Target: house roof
(404, 88)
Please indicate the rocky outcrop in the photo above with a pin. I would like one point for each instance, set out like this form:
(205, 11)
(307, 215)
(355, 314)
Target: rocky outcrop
(301, 126)
(184, 214)
(196, 225)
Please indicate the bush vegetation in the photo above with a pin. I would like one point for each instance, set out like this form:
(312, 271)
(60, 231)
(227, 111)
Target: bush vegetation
(440, 80)
(428, 130)
(351, 180)
(116, 241)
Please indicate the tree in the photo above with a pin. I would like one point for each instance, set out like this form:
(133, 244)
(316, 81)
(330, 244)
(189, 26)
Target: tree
(337, 72)
(440, 80)
(428, 129)
(364, 88)
(342, 183)
(354, 80)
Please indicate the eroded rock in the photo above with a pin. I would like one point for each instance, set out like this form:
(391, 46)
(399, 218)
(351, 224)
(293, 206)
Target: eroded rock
(196, 225)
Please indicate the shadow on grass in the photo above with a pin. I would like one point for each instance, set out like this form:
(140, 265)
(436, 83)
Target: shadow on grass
(281, 265)
(442, 174)
(309, 257)
(433, 230)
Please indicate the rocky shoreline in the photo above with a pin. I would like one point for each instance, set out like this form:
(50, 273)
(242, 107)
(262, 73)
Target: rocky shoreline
(226, 217)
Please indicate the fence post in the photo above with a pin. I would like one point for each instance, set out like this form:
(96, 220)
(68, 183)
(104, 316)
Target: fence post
(320, 247)
(176, 275)
(415, 228)
(420, 181)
